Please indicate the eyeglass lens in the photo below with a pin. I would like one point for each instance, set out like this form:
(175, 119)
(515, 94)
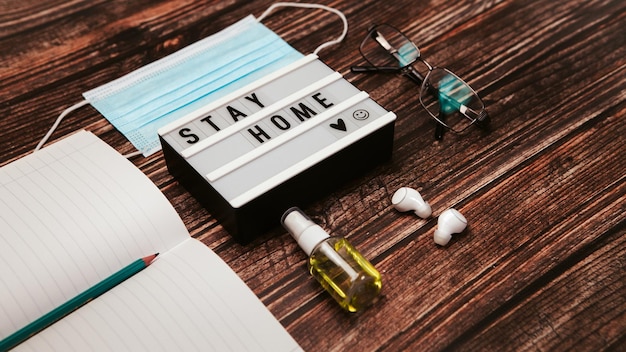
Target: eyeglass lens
(450, 100)
(385, 46)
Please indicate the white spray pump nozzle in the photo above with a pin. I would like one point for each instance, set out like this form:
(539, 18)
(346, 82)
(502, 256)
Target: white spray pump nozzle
(302, 229)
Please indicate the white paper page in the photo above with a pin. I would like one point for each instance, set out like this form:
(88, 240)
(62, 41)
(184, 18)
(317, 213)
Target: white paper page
(187, 300)
(72, 214)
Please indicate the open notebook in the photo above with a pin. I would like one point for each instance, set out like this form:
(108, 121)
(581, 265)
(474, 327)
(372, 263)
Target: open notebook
(76, 212)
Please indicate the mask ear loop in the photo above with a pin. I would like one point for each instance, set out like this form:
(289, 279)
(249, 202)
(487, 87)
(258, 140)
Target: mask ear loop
(58, 122)
(312, 6)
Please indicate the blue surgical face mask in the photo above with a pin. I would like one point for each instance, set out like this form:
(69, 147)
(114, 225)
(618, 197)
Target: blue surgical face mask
(141, 102)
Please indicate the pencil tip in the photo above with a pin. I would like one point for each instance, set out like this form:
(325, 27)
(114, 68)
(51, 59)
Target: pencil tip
(149, 258)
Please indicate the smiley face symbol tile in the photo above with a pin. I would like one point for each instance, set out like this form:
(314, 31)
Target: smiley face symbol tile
(361, 114)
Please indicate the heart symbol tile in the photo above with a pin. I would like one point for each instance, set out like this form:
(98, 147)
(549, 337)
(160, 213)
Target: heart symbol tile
(340, 125)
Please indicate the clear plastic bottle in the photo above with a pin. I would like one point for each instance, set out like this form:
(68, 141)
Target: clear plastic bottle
(350, 278)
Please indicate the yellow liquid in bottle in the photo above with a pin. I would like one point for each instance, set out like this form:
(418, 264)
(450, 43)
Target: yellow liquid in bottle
(350, 278)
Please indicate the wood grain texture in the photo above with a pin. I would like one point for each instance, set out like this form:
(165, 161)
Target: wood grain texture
(541, 266)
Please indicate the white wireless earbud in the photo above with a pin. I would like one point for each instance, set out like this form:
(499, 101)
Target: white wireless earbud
(449, 222)
(406, 199)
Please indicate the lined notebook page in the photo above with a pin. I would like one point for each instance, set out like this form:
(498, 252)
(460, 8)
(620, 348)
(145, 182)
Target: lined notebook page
(72, 214)
(187, 300)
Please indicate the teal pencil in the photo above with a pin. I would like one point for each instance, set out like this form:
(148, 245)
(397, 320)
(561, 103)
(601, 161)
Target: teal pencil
(75, 303)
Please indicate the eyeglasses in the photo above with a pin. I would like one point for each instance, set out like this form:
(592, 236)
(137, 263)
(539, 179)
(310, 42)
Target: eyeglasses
(447, 98)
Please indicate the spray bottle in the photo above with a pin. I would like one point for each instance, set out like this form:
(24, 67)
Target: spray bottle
(350, 278)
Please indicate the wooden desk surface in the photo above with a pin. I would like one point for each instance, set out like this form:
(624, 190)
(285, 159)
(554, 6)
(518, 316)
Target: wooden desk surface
(542, 264)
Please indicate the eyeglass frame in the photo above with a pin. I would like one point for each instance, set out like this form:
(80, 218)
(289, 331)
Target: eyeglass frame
(480, 118)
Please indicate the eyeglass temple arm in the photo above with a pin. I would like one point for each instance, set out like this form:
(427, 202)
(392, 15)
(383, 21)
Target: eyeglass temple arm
(408, 71)
(440, 128)
(368, 69)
